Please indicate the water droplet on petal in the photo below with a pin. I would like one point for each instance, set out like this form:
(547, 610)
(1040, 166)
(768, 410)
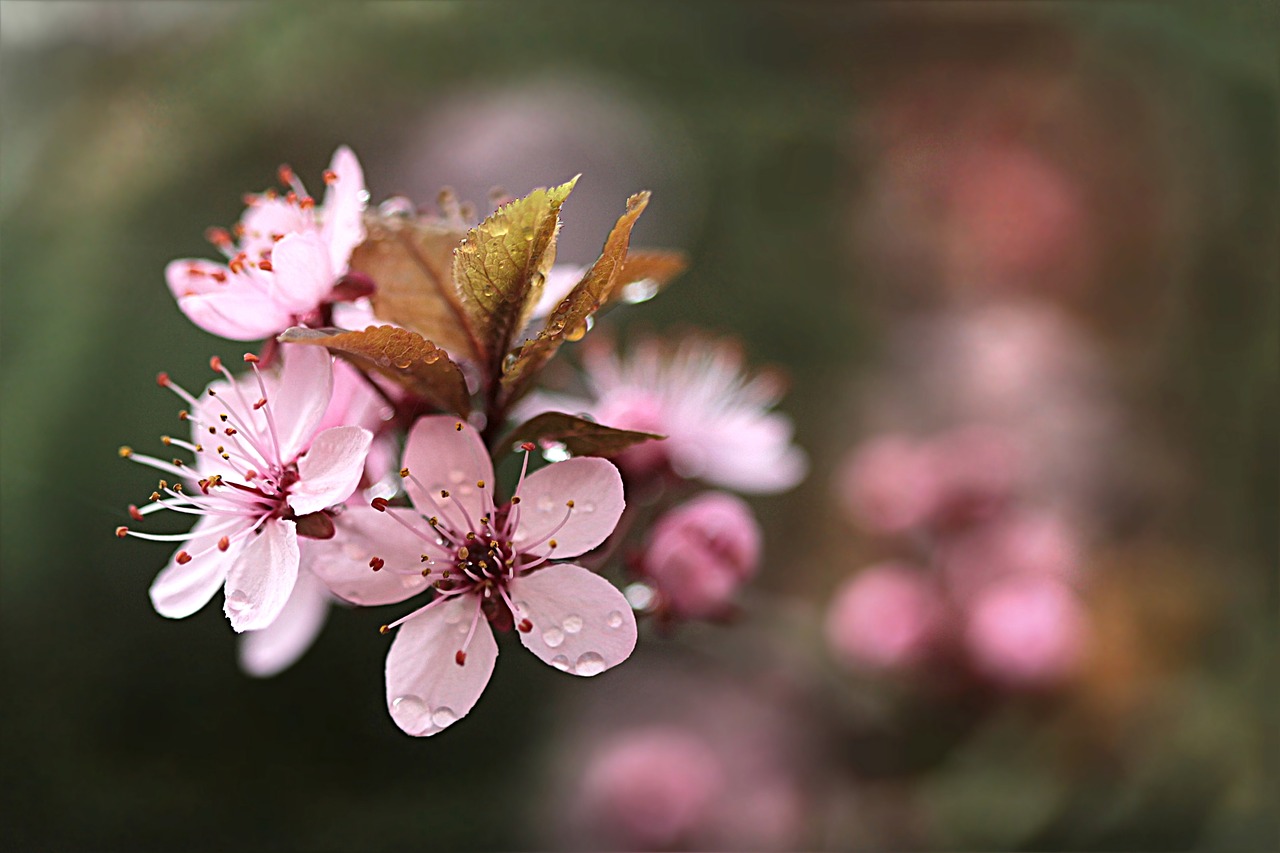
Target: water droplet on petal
(561, 663)
(408, 710)
(572, 623)
(443, 716)
(237, 601)
(546, 503)
(456, 476)
(590, 663)
(586, 507)
(614, 619)
(553, 637)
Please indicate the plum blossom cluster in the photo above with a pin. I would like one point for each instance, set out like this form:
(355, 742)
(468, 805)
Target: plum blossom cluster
(980, 579)
(355, 455)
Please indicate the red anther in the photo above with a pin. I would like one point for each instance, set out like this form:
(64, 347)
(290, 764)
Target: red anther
(528, 447)
(249, 199)
(376, 563)
(271, 194)
(122, 531)
(183, 414)
(264, 265)
(380, 504)
(219, 276)
(330, 176)
(306, 202)
(135, 513)
(384, 629)
(224, 543)
(460, 658)
(525, 626)
(458, 426)
(291, 197)
(238, 229)
(404, 472)
(182, 558)
(250, 358)
(162, 379)
(262, 401)
(251, 474)
(230, 430)
(285, 174)
(216, 364)
(218, 236)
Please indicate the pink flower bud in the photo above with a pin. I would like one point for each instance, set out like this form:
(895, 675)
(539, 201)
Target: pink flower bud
(977, 468)
(701, 552)
(886, 617)
(1026, 632)
(888, 485)
(653, 788)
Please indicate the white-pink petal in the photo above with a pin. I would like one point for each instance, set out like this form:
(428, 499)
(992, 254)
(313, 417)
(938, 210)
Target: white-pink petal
(300, 396)
(262, 576)
(581, 623)
(427, 690)
(344, 202)
(275, 648)
(239, 307)
(303, 274)
(331, 469)
(595, 488)
(442, 457)
(362, 534)
(183, 588)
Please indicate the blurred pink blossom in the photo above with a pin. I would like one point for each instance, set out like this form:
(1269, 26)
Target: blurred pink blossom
(889, 484)
(652, 788)
(1022, 543)
(700, 553)
(1026, 632)
(886, 616)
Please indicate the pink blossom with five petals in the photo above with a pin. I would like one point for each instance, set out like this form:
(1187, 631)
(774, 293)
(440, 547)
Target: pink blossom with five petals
(484, 562)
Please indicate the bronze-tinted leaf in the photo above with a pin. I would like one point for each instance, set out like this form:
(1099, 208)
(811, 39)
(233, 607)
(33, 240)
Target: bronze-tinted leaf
(569, 319)
(410, 262)
(500, 267)
(580, 436)
(403, 355)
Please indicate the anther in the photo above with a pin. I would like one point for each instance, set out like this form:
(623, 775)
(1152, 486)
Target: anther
(404, 473)
(155, 496)
(376, 563)
(330, 176)
(479, 484)
(264, 265)
(135, 513)
(162, 379)
(262, 401)
(463, 553)
(383, 629)
(569, 504)
(380, 504)
(125, 451)
(183, 415)
(224, 543)
(122, 531)
(218, 237)
(525, 626)
(552, 544)
(528, 447)
(285, 174)
(166, 440)
(250, 358)
(458, 426)
(182, 558)
(460, 658)
(515, 500)
(216, 364)
(444, 493)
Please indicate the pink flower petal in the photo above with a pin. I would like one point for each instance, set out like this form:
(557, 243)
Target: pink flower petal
(362, 534)
(344, 203)
(182, 589)
(331, 469)
(442, 457)
(303, 275)
(581, 623)
(426, 688)
(268, 219)
(262, 577)
(300, 397)
(275, 648)
(238, 307)
(594, 486)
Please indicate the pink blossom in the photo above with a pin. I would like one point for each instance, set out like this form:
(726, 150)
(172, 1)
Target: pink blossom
(268, 651)
(1026, 632)
(263, 476)
(654, 787)
(1025, 543)
(977, 468)
(889, 485)
(717, 419)
(485, 559)
(288, 259)
(700, 553)
(887, 616)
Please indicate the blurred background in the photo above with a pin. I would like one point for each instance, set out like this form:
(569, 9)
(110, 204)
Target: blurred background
(1018, 262)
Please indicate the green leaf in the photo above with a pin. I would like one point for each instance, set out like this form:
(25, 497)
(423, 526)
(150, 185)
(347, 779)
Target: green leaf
(568, 322)
(410, 261)
(400, 354)
(500, 266)
(580, 436)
